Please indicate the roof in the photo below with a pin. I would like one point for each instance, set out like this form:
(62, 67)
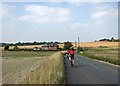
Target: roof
(50, 45)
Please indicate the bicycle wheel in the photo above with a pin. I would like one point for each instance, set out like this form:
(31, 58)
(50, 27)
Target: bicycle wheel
(72, 63)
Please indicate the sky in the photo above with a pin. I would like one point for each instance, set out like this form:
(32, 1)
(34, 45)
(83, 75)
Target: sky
(58, 21)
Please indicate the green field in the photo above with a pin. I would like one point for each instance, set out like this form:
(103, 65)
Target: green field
(105, 54)
(15, 54)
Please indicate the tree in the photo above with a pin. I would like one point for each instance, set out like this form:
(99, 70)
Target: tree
(67, 45)
(112, 39)
(80, 49)
(34, 42)
(104, 39)
(56, 42)
(6, 47)
(19, 43)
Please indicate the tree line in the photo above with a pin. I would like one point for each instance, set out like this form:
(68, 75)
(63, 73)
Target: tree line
(67, 45)
(27, 43)
(110, 40)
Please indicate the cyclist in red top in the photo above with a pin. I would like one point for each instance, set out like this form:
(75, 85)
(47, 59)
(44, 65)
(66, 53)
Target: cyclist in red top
(72, 56)
(68, 53)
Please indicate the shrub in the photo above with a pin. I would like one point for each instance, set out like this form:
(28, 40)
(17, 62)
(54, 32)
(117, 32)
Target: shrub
(16, 48)
(6, 47)
(80, 49)
(103, 47)
(67, 45)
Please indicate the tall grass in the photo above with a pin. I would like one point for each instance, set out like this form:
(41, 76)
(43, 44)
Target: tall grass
(49, 71)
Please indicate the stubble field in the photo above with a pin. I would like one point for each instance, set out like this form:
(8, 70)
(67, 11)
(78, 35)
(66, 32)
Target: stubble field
(30, 69)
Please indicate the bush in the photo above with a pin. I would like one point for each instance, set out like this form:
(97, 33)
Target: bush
(6, 47)
(67, 45)
(103, 47)
(80, 49)
(16, 48)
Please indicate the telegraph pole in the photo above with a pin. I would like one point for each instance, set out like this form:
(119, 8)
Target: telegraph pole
(75, 45)
(78, 42)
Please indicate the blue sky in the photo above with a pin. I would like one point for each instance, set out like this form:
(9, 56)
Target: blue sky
(58, 21)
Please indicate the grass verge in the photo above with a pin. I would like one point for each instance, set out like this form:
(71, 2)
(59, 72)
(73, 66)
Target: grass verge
(104, 54)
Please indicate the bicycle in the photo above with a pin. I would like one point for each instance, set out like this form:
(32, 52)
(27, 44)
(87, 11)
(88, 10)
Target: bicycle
(72, 59)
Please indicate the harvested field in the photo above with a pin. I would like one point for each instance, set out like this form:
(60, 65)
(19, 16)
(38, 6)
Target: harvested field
(98, 44)
(34, 70)
(61, 45)
(24, 47)
(30, 46)
(94, 44)
(21, 54)
(13, 69)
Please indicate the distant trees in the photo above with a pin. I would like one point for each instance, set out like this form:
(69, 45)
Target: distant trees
(67, 45)
(110, 40)
(104, 39)
(19, 43)
(27, 43)
(56, 42)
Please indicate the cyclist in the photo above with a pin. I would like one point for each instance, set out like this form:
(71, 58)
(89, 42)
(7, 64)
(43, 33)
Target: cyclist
(68, 53)
(72, 55)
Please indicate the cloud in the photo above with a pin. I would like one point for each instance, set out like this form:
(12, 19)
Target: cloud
(93, 0)
(39, 13)
(76, 3)
(104, 13)
(0, 9)
(100, 14)
(3, 10)
(79, 25)
(7, 10)
(61, 0)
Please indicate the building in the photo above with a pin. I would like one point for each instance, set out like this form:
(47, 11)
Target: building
(50, 46)
(45, 47)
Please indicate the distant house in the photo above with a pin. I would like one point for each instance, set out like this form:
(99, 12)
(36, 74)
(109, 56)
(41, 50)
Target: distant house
(50, 46)
(45, 47)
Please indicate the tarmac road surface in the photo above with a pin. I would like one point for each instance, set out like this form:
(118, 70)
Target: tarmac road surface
(89, 71)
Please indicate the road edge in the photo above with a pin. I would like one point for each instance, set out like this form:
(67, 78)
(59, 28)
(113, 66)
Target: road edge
(101, 61)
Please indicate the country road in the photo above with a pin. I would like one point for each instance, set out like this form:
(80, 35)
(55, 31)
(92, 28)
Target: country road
(88, 71)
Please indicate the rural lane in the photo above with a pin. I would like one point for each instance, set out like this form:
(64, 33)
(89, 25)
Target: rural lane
(89, 71)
